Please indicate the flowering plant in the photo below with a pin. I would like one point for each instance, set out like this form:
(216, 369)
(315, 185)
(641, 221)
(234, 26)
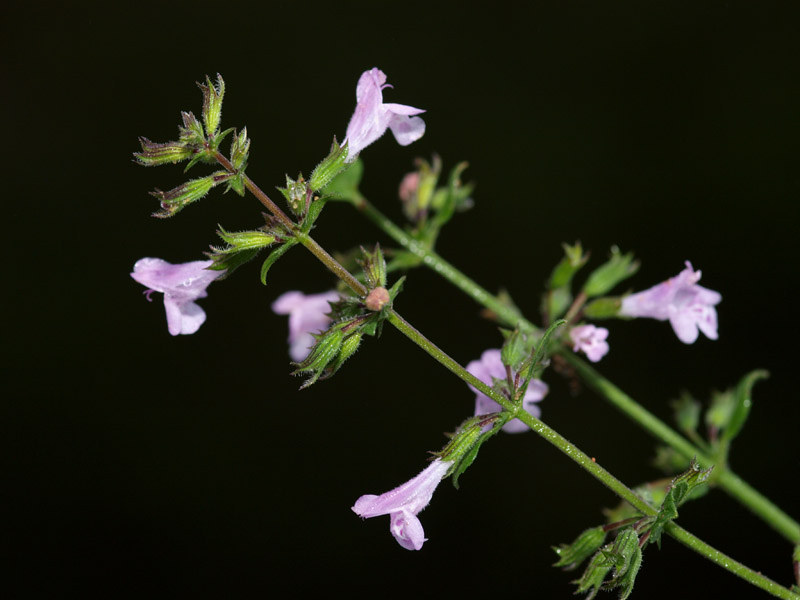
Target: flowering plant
(327, 329)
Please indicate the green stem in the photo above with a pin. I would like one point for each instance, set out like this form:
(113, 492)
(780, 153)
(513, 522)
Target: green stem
(549, 434)
(760, 505)
(726, 562)
(588, 464)
(552, 436)
(306, 240)
(725, 478)
(505, 313)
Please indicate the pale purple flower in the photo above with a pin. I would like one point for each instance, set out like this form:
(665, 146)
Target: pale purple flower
(590, 340)
(307, 315)
(181, 285)
(686, 305)
(373, 117)
(404, 503)
(491, 366)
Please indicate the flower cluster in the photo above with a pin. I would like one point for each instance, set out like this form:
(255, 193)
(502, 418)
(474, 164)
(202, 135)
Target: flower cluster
(490, 367)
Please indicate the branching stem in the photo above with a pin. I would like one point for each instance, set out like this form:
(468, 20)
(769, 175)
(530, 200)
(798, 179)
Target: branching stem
(511, 316)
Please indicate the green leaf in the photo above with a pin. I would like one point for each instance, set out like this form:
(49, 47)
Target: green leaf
(537, 357)
(514, 348)
(687, 412)
(742, 401)
(273, 258)
(314, 211)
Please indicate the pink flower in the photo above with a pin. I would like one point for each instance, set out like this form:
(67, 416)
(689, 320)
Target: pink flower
(404, 503)
(686, 305)
(491, 366)
(590, 340)
(307, 315)
(181, 285)
(373, 117)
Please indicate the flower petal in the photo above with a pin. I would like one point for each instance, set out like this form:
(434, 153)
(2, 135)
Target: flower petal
(407, 530)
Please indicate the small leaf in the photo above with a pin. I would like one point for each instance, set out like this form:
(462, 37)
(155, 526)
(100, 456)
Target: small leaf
(273, 258)
(314, 211)
(742, 401)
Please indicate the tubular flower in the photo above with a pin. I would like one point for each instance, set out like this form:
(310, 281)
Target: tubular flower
(373, 117)
(688, 306)
(490, 367)
(590, 340)
(404, 503)
(181, 285)
(307, 315)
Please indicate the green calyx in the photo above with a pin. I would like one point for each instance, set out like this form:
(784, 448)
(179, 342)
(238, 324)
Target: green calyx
(331, 167)
(586, 544)
(178, 198)
(212, 104)
(608, 275)
(242, 246)
(468, 439)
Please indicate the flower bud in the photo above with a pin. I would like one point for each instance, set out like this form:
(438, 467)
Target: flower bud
(377, 299)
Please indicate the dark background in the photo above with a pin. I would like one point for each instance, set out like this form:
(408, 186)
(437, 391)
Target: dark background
(144, 465)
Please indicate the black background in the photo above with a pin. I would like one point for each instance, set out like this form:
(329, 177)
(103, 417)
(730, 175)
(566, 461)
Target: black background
(144, 465)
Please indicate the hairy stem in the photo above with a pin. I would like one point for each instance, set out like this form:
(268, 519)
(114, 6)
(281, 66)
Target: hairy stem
(549, 434)
(729, 564)
(509, 315)
(723, 476)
